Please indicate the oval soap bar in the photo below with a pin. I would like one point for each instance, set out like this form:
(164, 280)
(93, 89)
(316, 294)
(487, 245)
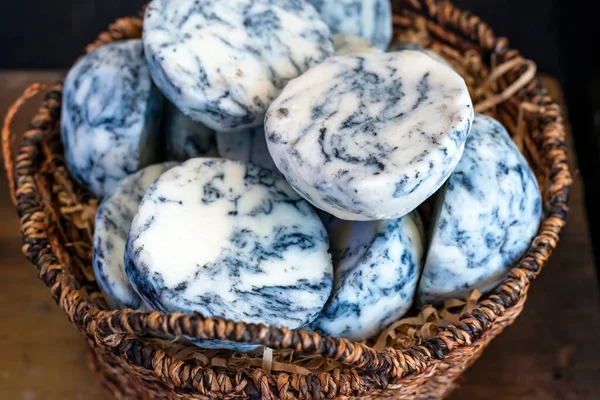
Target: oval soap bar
(113, 220)
(484, 218)
(370, 137)
(376, 267)
(111, 112)
(370, 19)
(228, 239)
(222, 63)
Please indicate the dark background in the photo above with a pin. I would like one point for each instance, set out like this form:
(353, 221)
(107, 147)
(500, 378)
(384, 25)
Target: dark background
(560, 36)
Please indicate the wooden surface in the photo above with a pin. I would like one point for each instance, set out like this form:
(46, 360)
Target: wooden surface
(551, 352)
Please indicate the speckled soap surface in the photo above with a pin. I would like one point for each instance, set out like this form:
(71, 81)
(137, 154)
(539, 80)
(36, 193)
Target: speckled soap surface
(222, 63)
(185, 138)
(377, 265)
(370, 137)
(110, 123)
(371, 19)
(113, 220)
(247, 146)
(247, 247)
(485, 217)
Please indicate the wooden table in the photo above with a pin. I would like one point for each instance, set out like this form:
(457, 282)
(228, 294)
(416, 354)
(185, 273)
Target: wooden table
(551, 352)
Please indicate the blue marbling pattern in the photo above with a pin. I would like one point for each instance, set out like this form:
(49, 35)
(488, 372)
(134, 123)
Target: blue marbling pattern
(113, 220)
(185, 138)
(222, 63)
(376, 265)
(110, 124)
(484, 218)
(370, 137)
(229, 239)
(246, 146)
(371, 19)
(400, 46)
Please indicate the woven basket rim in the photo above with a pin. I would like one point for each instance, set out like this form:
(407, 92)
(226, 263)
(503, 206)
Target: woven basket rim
(114, 328)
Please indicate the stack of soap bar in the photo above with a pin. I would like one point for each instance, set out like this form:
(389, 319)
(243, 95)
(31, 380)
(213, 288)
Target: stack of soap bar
(347, 44)
(185, 138)
(222, 63)
(377, 265)
(110, 124)
(400, 46)
(246, 246)
(484, 218)
(370, 19)
(113, 220)
(370, 137)
(246, 146)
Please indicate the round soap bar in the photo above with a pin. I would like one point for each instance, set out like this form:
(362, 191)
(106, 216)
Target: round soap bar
(185, 138)
(228, 239)
(400, 46)
(371, 19)
(113, 220)
(376, 267)
(223, 62)
(484, 218)
(370, 137)
(110, 123)
(347, 44)
(246, 146)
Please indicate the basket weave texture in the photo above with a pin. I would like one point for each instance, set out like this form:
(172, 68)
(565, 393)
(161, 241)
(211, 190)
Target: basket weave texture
(131, 351)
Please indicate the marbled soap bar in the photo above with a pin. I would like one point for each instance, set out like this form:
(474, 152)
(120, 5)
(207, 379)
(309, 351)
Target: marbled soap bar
(110, 125)
(348, 45)
(185, 138)
(370, 137)
(484, 218)
(371, 19)
(400, 46)
(376, 267)
(113, 220)
(246, 146)
(228, 239)
(222, 63)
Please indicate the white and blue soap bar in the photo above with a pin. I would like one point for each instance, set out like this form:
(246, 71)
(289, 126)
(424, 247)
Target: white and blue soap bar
(377, 265)
(370, 136)
(248, 247)
(113, 220)
(484, 218)
(111, 115)
(222, 63)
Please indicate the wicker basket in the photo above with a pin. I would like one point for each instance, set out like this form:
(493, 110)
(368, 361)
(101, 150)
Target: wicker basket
(134, 353)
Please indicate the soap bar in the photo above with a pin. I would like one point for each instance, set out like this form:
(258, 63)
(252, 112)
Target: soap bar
(185, 138)
(113, 220)
(110, 123)
(222, 63)
(484, 218)
(348, 45)
(400, 46)
(376, 268)
(228, 239)
(246, 146)
(371, 19)
(370, 137)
